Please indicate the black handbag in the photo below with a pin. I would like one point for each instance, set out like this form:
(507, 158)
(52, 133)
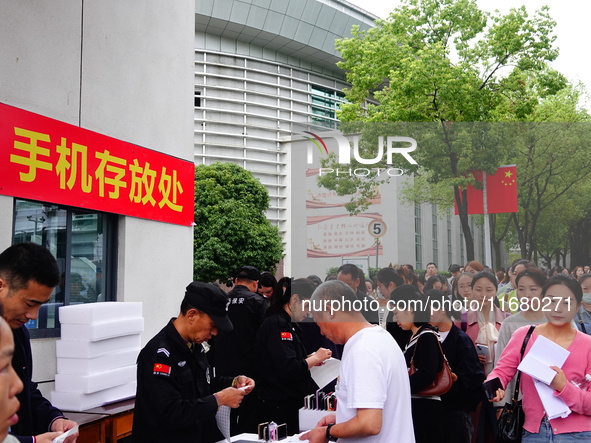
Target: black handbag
(510, 424)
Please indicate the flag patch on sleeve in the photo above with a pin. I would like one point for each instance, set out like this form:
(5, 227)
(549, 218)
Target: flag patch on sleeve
(160, 369)
(286, 336)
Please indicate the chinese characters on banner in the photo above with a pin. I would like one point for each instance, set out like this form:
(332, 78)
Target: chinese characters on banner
(331, 231)
(52, 161)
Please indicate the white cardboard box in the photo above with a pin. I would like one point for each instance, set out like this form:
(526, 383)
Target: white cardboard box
(112, 360)
(89, 349)
(310, 417)
(98, 381)
(102, 331)
(89, 313)
(81, 402)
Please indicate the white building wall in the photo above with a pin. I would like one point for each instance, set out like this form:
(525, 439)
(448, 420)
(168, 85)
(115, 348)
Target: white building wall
(124, 69)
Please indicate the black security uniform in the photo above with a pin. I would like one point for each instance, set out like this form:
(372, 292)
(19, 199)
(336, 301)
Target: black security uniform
(36, 413)
(466, 392)
(234, 351)
(174, 401)
(284, 375)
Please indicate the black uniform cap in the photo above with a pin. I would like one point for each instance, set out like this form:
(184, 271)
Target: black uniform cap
(212, 300)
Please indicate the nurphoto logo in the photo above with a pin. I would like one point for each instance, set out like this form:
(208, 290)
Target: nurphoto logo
(347, 144)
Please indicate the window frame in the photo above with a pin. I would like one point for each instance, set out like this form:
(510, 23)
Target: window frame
(109, 268)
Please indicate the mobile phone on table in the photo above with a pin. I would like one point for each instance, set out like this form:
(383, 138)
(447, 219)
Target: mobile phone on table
(262, 430)
(490, 387)
(282, 432)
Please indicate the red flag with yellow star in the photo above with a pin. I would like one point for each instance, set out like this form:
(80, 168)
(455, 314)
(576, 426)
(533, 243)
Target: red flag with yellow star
(501, 190)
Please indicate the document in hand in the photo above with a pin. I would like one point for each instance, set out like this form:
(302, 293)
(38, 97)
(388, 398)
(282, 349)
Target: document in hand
(326, 372)
(61, 438)
(554, 406)
(543, 354)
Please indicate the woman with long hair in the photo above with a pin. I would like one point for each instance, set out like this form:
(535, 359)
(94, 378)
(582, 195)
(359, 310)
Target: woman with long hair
(578, 271)
(529, 291)
(412, 314)
(284, 366)
(562, 297)
(466, 392)
(583, 317)
(483, 321)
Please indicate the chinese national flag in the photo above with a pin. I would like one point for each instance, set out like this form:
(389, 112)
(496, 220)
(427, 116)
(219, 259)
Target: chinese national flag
(501, 189)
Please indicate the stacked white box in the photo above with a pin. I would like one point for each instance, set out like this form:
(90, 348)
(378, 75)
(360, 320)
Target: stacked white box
(97, 353)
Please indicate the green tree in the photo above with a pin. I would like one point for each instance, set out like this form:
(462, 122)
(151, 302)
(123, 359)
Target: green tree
(231, 229)
(444, 62)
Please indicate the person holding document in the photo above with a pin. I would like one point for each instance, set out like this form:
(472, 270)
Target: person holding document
(561, 297)
(373, 391)
(284, 366)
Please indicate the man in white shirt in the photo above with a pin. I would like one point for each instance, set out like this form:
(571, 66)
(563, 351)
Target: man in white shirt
(373, 389)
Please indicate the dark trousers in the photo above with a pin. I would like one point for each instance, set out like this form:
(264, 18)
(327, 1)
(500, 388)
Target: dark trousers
(243, 419)
(458, 426)
(427, 418)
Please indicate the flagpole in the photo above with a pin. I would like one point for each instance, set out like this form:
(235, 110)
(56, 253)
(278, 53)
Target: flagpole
(487, 249)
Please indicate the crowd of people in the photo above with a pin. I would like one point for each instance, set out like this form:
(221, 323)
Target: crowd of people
(242, 353)
(474, 321)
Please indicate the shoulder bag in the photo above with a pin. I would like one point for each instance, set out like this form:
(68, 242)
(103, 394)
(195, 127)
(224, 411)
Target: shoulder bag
(510, 424)
(444, 379)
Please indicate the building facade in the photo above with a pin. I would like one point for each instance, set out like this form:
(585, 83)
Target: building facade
(264, 69)
(122, 70)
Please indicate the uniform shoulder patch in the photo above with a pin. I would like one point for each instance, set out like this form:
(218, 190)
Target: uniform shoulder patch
(161, 369)
(286, 336)
(163, 351)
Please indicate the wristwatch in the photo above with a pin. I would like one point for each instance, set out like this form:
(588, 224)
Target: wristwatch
(328, 436)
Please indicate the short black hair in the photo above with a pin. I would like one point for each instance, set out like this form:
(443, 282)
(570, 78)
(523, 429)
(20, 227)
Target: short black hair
(533, 272)
(566, 280)
(485, 274)
(439, 299)
(432, 280)
(23, 262)
(267, 280)
(409, 296)
(387, 275)
(315, 279)
(454, 268)
(349, 269)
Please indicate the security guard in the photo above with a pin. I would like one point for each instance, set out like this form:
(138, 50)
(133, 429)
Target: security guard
(233, 352)
(284, 366)
(177, 395)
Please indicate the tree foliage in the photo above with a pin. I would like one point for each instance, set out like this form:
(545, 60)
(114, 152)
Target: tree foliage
(231, 229)
(448, 62)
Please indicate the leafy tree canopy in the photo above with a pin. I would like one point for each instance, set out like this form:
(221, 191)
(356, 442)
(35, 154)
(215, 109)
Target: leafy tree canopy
(231, 228)
(455, 67)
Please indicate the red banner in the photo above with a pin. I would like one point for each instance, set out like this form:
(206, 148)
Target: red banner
(501, 192)
(52, 161)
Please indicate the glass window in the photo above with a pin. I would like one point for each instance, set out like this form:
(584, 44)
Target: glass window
(82, 243)
(418, 238)
(325, 102)
(449, 243)
(435, 233)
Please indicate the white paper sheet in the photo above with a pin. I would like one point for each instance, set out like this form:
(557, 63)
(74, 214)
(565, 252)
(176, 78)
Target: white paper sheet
(325, 373)
(543, 354)
(65, 435)
(554, 406)
(222, 418)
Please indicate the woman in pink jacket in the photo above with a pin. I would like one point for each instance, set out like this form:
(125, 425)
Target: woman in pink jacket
(565, 295)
